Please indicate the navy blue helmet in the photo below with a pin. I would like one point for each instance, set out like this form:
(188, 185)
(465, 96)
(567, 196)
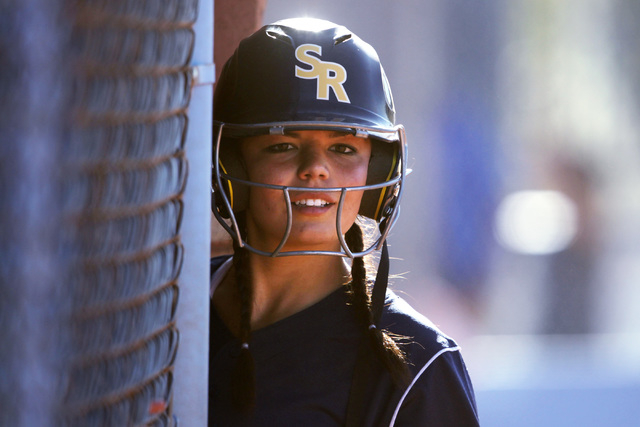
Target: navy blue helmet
(300, 74)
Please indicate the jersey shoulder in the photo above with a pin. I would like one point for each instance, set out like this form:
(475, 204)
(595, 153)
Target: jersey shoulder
(420, 337)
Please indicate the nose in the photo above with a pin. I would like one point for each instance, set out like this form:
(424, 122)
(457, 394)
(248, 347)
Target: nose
(313, 164)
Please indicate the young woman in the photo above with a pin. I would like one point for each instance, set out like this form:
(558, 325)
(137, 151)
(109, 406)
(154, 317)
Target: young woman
(307, 157)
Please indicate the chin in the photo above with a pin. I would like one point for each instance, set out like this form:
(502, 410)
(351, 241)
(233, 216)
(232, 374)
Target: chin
(327, 241)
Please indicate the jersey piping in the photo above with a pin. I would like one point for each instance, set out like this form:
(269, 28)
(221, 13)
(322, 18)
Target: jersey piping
(424, 368)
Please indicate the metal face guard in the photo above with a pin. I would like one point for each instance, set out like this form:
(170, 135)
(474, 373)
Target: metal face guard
(391, 211)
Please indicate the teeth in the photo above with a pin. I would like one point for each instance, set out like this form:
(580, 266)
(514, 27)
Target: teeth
(312, 202)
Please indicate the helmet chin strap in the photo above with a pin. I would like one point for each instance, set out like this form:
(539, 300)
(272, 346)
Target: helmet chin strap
(363, 382)
(380, 286)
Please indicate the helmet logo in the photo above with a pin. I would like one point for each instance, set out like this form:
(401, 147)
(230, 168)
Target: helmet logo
(329, 74)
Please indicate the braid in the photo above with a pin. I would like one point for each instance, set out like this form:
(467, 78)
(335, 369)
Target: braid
(243, 386)
(384, 346)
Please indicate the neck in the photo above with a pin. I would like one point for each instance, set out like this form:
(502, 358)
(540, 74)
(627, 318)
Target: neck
(286, 285)
(281, 287)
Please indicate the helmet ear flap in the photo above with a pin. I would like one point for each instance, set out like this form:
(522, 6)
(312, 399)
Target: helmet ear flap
(237, 194)
(383, 166)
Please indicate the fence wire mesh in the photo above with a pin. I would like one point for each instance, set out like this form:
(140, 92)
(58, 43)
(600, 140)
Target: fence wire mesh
(125, 174)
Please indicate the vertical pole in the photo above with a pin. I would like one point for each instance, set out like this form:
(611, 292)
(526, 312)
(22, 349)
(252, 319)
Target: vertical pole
(190, 399)
(33, 302)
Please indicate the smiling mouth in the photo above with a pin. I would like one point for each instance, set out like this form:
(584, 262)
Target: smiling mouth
(316, 203)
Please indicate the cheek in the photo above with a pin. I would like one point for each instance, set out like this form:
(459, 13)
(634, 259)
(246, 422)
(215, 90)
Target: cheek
(350, 209)
(264, 200)
(352, 202)
(267, 173)
(356, 175)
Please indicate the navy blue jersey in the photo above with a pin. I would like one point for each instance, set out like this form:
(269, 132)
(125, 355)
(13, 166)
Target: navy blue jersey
(305, 365)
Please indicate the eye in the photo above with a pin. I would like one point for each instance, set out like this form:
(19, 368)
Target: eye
(343, 149)
(280, 147)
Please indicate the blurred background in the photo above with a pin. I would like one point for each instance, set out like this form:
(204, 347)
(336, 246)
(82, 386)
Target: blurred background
(519, 233)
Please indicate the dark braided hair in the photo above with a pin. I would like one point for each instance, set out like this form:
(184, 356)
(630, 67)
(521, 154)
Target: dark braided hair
(243, 386)
(383, 344)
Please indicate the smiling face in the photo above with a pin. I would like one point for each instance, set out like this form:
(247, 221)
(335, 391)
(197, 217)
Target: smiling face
(312, 159)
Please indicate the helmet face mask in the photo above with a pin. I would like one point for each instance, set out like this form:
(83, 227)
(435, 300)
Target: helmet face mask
(306, 75)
